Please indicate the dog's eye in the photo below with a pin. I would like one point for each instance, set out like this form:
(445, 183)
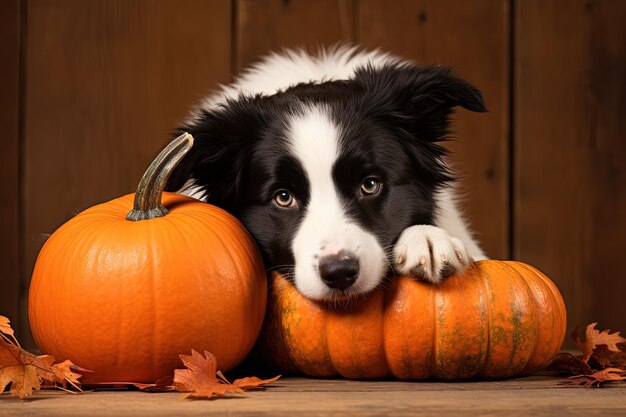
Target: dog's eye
(284, 199)
(370, 186)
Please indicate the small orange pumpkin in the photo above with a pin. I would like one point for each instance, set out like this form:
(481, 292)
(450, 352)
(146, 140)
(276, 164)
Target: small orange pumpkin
(497, 320)
(124, 294)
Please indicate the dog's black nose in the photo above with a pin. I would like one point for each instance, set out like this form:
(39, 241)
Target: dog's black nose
(339, 271)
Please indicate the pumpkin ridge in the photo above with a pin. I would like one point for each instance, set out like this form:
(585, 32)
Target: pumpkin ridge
(436, 356)
(533, 310)
(556, 296)
(555, 299)
(156, 276)
(488, 314)
(516, 315)
(283, 291)
(388, 297)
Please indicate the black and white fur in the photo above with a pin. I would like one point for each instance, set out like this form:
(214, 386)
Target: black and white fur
(294, 147)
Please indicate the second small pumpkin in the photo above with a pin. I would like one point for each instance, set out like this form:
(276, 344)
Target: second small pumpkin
(498, 320)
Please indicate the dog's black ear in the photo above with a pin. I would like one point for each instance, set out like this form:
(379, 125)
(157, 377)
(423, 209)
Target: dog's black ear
(215, 163)
(421, 96)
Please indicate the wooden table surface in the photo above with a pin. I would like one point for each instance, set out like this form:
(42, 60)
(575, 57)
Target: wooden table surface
(530, 396)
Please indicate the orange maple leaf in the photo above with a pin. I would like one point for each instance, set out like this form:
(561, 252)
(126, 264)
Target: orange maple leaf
(64, 373)
(598, 377)
(25, 371)
(5, 327)
(20, 369)
(594, 338)
(607, 358)
(252, 382)
(23, 379)
(202, 380)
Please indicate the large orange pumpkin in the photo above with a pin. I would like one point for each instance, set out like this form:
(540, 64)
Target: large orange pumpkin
(497, 320)
(125, 297)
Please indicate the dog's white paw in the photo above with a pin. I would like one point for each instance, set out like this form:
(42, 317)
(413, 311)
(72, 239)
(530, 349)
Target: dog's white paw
(430, 253)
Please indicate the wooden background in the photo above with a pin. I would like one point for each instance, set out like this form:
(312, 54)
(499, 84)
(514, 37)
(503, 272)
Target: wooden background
(90, 90)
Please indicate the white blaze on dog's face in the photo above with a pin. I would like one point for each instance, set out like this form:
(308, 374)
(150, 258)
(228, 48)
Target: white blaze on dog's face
(328, 245)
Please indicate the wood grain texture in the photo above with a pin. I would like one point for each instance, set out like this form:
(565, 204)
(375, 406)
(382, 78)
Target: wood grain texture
(270, 25)
(472, 36)
(106, 82)
(535, 396)
(570, 177)
(9, 157)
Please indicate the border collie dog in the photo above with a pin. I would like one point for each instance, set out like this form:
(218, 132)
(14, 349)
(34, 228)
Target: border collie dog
(334, 164)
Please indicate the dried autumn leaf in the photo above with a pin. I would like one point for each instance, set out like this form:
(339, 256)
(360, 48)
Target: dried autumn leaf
(20, 369)
(26, 372)
(607, 358)
(214, 390)
(569, 364)
(200, 371)
(252, 382)
(161, 385)
(65, 372)
(5, 327)
(595, 338)
(598, 377)
(23, 379)
(202, 380)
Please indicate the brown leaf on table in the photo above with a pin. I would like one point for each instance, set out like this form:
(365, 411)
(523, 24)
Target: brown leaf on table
(161, 385)
(607, 358)
(20, 369)
(5, 327)
(65, 372)
(23, 379)
(598, 377)
(199, 380)
(252, 382)
(26, 372)
(569, 364)
(595, 338)
(202, 380)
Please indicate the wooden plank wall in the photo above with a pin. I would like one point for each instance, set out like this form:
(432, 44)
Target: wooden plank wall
(9, 157)
(106, 79)
(570, 147)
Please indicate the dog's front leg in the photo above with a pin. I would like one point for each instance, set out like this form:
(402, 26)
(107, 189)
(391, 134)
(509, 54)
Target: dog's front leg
(430, 253)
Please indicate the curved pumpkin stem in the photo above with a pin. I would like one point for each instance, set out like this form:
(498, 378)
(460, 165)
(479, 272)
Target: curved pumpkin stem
(148, 196)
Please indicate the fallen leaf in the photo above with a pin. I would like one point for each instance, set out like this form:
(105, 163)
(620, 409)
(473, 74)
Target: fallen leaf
(202, 380)
(607, 358)
(214, 390)
(569, 364)
(200, 372)
(252, 382)
(20, 369)
(199, 380)
(65, 372)
(598, 377)
(23, 379)
(26, 372)
(161, 385)
(5, 327)
(595, 338)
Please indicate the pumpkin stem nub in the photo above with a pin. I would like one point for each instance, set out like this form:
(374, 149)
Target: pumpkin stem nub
(148, 196)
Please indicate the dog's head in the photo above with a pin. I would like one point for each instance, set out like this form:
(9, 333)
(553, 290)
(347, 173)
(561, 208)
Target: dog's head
(327, 175)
